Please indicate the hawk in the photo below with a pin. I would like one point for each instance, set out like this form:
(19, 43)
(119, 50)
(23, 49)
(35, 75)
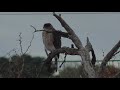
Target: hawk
(51, 41)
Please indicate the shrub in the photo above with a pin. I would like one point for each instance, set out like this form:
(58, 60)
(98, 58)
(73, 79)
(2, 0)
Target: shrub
(77, 72)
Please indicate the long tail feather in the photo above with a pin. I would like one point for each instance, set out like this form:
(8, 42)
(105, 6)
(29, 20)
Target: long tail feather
(56, 61)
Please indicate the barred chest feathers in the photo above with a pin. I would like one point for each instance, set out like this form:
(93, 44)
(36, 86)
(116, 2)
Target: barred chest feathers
(48, 41)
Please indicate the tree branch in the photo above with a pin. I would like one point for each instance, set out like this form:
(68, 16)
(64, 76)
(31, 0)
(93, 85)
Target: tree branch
(20, 43)
(116, 53)
(62, 34)
(22, 54)
(57, 32)
(29, 44)
(93, 61)
(67, 50)
(88, 45)
(71, 33)
(90, 49)
(82, 51)
(108, 57)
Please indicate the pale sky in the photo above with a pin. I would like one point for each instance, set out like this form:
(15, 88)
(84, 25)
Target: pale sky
(103, 30)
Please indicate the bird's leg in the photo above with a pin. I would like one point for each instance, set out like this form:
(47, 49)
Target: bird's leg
(46, 52)
(56, 63)
(64, 60)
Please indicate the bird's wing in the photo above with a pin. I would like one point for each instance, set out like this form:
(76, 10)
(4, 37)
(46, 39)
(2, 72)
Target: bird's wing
(57, 40)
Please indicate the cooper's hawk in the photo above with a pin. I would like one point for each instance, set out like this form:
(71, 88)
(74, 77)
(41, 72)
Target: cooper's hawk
(51, 41)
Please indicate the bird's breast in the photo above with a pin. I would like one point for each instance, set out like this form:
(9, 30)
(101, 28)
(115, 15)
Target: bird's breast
(48, 41)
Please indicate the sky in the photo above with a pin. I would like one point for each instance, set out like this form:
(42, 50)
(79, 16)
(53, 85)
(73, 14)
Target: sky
(103, 30)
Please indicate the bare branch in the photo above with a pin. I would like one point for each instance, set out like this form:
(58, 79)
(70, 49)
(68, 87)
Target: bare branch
(29, 44)
(10, 52)
(116, 53)
(62, 34)
(33, 28)
(15, 51)
(36, 29)
(82, 51)
(67, 50)
(22, 54)
(20, 43)
(110, 54)
(90, 49)
(93, 61)
(57, 32)
(88, 45)
(71, 33)
(108, 57)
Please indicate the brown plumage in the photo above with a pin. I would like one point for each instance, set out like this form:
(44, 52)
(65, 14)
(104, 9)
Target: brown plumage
(51, 41)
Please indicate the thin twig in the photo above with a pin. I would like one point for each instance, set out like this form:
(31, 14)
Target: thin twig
(15, 52)
(58, 32)
(20, 43)
(36, 29)
(9, 52)
(29, 44)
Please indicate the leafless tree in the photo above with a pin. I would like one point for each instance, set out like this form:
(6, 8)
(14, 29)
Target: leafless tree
(23, 53)
(80, 50)
(83, 52)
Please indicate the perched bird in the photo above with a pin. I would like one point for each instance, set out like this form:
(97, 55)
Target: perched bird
(51, 41)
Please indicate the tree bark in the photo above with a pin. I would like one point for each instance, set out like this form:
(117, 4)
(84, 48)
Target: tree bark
(88, 65)
(90, 49)
(82, 51)
(67, 50)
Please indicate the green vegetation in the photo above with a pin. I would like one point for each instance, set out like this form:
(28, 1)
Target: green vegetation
(13, 68)
(31, 69)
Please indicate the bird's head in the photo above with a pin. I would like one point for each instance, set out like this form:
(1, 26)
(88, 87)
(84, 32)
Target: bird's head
(47, 26)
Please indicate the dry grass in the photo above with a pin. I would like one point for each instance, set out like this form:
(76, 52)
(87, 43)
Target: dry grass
(77, 72)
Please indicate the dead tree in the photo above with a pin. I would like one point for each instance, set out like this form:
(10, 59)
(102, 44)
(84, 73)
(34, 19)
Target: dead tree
(80, 50)
(83, 52)
(107, 58)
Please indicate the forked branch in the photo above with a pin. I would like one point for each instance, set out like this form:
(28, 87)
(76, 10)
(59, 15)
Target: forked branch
(67, 50)
(82, 51)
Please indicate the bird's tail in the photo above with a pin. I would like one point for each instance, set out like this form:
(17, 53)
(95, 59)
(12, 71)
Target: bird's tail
(56, 61)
